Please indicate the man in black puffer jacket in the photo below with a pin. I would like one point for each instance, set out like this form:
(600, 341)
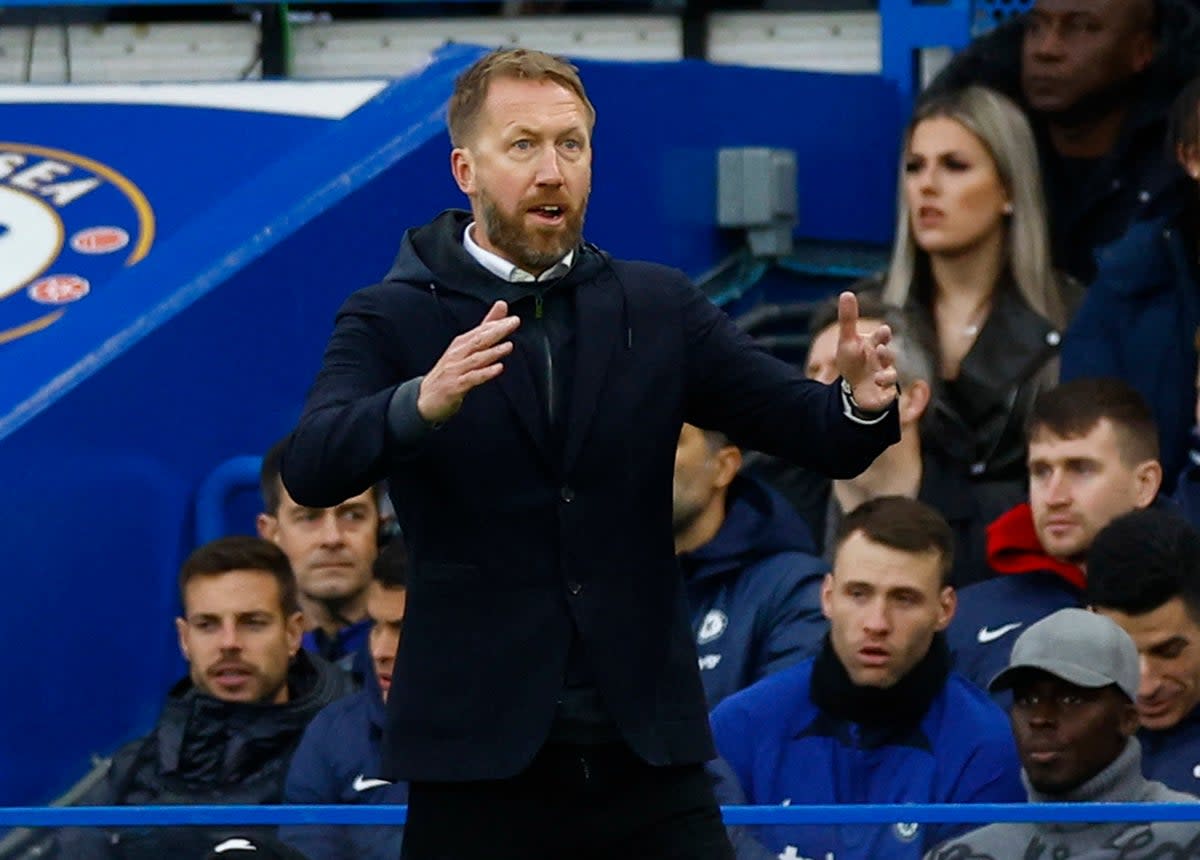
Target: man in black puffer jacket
(228, 731)
(1096, 81)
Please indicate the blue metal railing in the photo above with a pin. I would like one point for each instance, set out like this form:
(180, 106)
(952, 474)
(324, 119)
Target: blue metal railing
(916, 813)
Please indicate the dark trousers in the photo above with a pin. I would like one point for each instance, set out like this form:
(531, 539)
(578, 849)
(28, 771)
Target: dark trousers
(583, 802)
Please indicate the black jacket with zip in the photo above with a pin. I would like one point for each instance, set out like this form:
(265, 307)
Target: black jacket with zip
(523, 538)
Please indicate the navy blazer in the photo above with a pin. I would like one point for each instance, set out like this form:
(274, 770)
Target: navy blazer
(514, 541)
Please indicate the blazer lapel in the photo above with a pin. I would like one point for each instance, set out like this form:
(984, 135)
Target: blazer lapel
(598, 330)
(517, 383)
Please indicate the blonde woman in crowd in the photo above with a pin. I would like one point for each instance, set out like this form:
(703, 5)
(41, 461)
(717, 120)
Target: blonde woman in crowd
(972, 259)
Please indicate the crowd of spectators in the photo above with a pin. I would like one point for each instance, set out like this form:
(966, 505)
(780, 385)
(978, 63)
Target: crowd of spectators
(1004, 607)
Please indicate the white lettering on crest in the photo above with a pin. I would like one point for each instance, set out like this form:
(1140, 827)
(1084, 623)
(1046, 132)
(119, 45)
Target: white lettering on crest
(40, 178)
(10, 161)
(40, 174)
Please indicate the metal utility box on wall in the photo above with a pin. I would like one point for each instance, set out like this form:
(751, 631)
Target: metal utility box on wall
(756, 191)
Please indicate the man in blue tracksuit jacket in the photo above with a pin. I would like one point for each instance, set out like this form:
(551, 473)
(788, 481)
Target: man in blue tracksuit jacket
(339, 760)
(877, 716)
(753, 581)
(1093, 455)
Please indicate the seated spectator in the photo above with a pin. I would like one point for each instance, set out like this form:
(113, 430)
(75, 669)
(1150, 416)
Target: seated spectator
(1074, 677)
(1144, 574)
(227, 732)
(339, 760)
(1141, 315)
(331, 551)
(753, 584)
(971, 261)
(908, 468)
(877, 716)
(1093, 455)
(1096, 81)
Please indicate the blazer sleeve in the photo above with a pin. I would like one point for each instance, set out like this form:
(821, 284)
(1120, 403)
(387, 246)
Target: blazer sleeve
(340, 446)
(766, 404)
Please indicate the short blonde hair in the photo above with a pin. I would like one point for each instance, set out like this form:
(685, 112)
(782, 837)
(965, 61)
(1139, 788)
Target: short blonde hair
(471, 87)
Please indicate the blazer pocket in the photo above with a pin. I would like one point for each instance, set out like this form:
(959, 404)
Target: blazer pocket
(449, 573)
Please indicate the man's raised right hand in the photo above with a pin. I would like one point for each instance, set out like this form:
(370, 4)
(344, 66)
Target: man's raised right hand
(472, 359)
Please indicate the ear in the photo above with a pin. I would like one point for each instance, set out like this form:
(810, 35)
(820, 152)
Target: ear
(1148, 475)
(294, 625)
(1189, 159)
(267, 526)
(827, 595)
(462, 166)
(729, 463)
(914, 400)
(1142, 51)
(181, 630)
(947, 605)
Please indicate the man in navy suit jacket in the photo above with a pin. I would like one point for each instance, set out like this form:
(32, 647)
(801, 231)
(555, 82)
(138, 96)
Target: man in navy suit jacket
(547, 702)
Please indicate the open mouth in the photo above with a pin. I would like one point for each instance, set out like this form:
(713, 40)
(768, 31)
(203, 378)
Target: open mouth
(873, 656)
(549, 213)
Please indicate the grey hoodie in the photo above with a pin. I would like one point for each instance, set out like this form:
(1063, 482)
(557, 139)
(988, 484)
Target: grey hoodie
(1121, 782)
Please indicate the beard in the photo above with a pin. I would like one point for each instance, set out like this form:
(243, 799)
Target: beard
(684, 513)
(534, 250)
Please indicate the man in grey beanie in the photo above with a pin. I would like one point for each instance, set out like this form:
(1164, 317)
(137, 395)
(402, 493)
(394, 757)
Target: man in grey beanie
(1074, 680)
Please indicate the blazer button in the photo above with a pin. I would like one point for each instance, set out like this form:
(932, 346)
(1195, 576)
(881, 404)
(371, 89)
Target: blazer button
(574, 587)
(567, 494)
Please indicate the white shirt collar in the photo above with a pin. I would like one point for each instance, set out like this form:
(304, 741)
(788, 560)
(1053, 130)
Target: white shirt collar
(507, 271)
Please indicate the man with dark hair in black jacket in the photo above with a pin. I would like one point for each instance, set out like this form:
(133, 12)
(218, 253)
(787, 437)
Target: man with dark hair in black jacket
(227, 732)
(1096, 78)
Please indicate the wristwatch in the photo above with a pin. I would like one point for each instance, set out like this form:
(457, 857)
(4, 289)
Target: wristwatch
(860, 412)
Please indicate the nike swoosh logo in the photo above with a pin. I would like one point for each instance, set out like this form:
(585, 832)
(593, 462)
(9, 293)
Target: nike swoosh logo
(361, 783)
(986, 636)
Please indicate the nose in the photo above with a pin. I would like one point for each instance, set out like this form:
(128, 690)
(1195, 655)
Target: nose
(927, 181)
(549, 171)
(384, 645)
(1045, 42)
(1148, 680)
(875, 618)
(331, 532)
(230, 638)
(1057, 489)
(1042, 714)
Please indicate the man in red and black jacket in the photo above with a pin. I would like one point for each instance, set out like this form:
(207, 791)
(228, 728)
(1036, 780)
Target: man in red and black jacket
(1093, 456)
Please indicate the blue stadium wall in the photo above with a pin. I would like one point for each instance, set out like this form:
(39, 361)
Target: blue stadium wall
(113, 413)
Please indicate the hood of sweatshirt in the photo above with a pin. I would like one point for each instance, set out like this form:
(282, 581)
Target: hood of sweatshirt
(1013, 548)
(759, 522)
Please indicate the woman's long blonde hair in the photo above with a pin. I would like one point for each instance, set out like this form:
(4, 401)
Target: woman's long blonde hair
(1005, 133)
